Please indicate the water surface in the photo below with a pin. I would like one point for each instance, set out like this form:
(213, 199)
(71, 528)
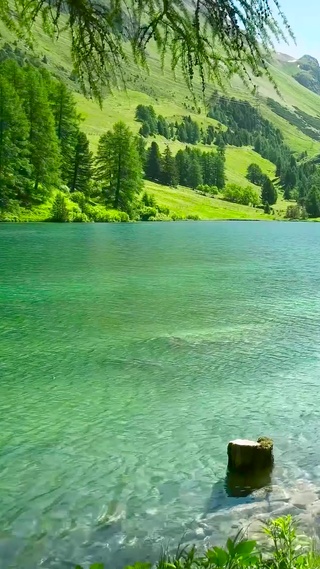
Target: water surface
(130, 355)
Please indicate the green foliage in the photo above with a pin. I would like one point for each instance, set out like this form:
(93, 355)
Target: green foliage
(60, 211)
(296, 211)
(66, 124)
(193, 217)
(312, 202)
(268, 192)
(255, 174)
(169, 175)
(80, 166)
(118, 168)
(308, 124)
(237, 38)
(267, 208)
(246, 126)
(146, 212)
(150, 210)
(148, 200)
(153, 163)
(286, 550)
(43, 141)
(14, 155)
(237, 194)
(207, 190)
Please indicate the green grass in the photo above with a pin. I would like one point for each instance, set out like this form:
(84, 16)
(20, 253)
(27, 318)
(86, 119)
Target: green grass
(187, 202)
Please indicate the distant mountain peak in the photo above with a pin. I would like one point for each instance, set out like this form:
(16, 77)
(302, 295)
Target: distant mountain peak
(308, 60)
(308, 73)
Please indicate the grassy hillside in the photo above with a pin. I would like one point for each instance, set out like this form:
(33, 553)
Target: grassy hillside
(185, 202)
(170, 97)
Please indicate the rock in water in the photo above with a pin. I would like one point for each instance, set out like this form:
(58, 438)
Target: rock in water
(246, 456)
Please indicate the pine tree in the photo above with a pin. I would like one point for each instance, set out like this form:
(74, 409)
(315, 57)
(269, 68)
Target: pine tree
(10, 69)
(313, 202)
(66, 124)
(153, 163)
(182, 166)
(59, 211)
(14, 163)
(141, 147)
(218, 171)
(118, 168)
(169, 176)
(194, 174)
(144, 130)
(268, 192)
(43, 141)
(80, 167)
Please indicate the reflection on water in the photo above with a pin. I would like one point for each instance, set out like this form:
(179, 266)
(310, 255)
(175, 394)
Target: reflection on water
(244, 484)
(130, 356)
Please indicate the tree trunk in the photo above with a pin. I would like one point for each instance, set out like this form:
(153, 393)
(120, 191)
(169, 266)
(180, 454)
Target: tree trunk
(245, 455)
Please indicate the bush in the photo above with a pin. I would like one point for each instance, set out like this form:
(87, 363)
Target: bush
(124, 218)
(147, 212)
(244, 196)
(296, 212)
(207, 190)
(149, 200)
(60, 211)
(193, 216)
(255, 174)
(80, 218)
(176, 216)
(79, 198)
(164, 210)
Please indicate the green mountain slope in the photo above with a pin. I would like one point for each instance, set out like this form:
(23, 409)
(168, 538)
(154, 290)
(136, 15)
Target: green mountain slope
(169, 97)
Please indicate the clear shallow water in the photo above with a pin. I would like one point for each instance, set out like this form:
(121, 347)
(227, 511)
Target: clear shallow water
(129, 356)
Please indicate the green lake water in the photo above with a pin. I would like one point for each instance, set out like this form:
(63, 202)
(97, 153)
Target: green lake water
(129, 356)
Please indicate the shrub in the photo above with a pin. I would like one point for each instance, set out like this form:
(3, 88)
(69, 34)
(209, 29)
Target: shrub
(203, 188)
(124, 218)
(60, 211)
(149, 200)
(214, 190)
(193, 216)
(80, 218)
(79, 198)
(176, 216)
(255, 174)
(147, 212)
(164, 210)
(296, 212)
(238, 194)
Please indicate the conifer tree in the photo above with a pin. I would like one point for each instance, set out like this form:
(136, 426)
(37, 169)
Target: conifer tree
(169, 175)
(14, 163)
(66, 123)
(268, 192)
(153, 163)
(43, 141)
(194, 173)
(118, 168)
(80, 167)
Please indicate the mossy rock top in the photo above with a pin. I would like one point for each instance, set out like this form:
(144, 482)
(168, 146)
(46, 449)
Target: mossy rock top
(265, 442)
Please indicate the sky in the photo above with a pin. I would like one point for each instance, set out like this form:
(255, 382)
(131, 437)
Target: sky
(304, 18)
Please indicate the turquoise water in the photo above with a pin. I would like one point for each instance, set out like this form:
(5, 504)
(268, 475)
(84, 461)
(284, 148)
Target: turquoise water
(129, 356)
